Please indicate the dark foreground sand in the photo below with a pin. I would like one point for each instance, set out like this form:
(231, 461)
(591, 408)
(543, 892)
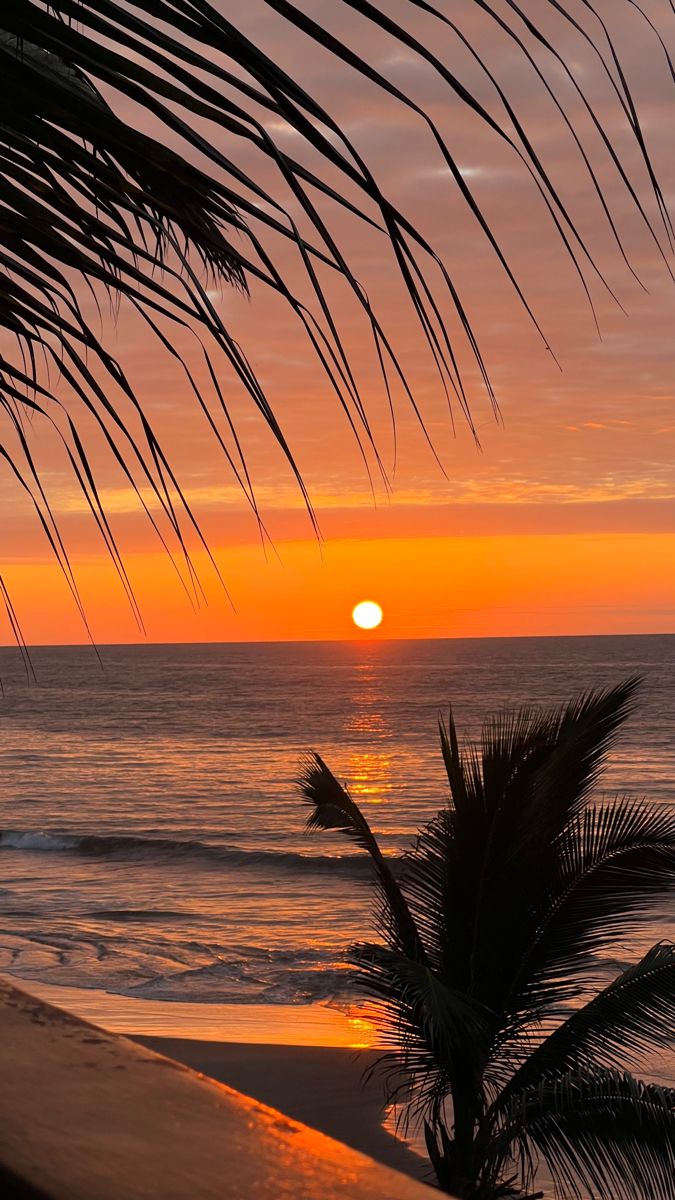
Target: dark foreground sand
(321, 1086)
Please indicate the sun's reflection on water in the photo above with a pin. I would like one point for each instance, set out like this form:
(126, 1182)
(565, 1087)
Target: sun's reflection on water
(369, 770)
(366, 704)
(370, 777)
(363, 1031)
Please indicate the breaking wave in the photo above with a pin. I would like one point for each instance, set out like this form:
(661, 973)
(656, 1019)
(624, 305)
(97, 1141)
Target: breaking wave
(128, 846)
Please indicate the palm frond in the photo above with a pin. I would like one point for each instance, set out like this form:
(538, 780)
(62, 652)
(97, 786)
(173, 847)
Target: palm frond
(613, 860)
(601, 1133)
(429, 1032)
(454, 763)
(493, 855)
(635, 1013)
(90, 204)
(334, 808)
(552, 760)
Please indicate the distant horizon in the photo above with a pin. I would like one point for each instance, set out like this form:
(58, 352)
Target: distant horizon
(335, 641)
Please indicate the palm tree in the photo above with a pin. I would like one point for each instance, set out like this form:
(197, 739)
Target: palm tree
(134, 138)
(483, 983)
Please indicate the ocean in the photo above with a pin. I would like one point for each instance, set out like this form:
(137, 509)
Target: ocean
(152, 837)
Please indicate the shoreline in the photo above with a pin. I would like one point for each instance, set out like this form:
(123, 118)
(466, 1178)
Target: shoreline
(320, 1086)
(307, 1061)
(314, 1024)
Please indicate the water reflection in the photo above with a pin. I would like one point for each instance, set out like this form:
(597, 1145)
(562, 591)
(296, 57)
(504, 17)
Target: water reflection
(370, 776)
(366, 715)
(369, 771)
(363, 1031)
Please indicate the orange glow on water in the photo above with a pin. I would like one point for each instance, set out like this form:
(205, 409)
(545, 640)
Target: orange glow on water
(364, 1032)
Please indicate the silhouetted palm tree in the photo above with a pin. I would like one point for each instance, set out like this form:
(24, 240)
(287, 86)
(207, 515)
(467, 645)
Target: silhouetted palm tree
(132, 139)
(489, 935)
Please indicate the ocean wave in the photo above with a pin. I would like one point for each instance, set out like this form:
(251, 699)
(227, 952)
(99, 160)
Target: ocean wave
(146, 916)
(22, 839)
(164, 970)
(129, 846)
(227, 986)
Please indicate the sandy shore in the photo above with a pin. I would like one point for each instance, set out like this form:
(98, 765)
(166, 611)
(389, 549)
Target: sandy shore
(268, 1024)
(306, 1060)
(321, 1086)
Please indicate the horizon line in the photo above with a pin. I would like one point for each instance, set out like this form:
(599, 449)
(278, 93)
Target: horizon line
(335, 641)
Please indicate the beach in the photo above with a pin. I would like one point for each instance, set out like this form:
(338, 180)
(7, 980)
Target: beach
(323, 1087)
(311, 1062)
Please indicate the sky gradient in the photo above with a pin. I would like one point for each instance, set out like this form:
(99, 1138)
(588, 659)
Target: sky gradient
(562, 521)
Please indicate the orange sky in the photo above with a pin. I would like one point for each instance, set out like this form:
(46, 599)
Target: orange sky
(562, 522)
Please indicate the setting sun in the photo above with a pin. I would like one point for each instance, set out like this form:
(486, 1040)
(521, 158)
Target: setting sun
(367, 615)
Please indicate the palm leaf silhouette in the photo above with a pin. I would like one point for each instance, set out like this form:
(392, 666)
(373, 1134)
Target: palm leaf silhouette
(634, 1014)
(491, 926)
(601, 1133)
(89, 204)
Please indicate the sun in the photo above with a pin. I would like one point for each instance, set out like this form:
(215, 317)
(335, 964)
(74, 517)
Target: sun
(367, 615)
